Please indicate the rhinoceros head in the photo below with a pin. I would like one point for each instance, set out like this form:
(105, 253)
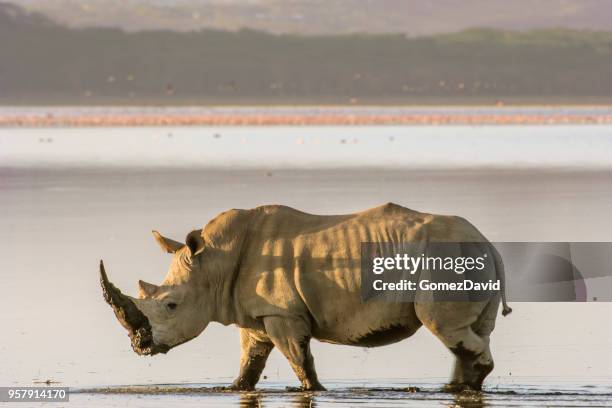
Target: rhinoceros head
(163, 316)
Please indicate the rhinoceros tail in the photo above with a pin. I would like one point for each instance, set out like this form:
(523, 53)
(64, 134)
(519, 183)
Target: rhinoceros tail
(501, 275)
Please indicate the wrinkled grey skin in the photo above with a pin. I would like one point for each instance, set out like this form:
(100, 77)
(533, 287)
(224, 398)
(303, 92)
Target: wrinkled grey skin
(284, 277)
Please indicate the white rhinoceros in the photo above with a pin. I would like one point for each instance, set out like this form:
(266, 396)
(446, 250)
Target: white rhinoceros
(284, 277)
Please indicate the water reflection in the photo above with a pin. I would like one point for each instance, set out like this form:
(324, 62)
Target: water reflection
(303, 401)
(469, 400)
(250, 400)
(299, 400)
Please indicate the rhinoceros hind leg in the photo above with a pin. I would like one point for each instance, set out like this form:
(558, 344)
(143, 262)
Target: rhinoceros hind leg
(255, 352)
(469, 373)
(464, 328)
(473, 359)
(292, 337)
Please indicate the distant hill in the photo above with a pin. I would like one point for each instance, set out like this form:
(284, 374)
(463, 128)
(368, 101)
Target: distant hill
(413, 17)
(13, 16)
(41, 62)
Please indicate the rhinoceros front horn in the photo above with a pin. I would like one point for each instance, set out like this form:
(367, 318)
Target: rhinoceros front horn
(130, 317)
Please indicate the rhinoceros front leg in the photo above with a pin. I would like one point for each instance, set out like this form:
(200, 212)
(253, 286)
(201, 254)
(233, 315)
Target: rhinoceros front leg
(255, 351)
(292, 337)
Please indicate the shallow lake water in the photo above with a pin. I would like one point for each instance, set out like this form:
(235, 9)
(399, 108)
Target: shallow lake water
(58, 219)
(391, 393)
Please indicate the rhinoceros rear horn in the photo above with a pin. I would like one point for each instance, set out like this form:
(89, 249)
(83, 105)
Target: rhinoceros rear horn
(130, 317)
(167, 244)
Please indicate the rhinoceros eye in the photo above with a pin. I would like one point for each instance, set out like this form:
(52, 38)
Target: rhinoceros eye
(171, 305)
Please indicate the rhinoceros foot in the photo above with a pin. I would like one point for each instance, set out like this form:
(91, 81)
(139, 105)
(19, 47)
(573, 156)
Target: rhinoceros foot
(240, 386)
(456, 388)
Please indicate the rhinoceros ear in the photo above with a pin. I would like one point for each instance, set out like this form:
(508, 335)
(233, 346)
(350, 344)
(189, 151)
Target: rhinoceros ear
(167, 244)
(146, 289)
(195, 242)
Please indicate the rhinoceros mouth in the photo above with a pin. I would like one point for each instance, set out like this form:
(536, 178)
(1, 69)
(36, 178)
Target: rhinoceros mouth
(131, 318)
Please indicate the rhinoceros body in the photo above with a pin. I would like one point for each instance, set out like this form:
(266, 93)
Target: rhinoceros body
(284, 276)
